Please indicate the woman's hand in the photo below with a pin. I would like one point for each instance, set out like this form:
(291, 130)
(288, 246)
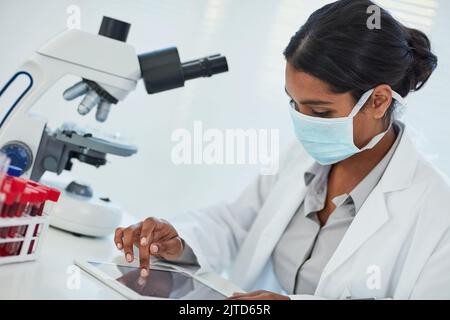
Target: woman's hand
(258, 295)
(153, 237)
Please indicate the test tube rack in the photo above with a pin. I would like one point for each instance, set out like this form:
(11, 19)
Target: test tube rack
(26, 243)
(25, 206)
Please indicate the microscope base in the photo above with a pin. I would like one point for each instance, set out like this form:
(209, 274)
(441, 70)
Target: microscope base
(80, 215)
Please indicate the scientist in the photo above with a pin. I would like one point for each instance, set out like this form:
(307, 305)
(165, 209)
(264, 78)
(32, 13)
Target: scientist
(354, 211)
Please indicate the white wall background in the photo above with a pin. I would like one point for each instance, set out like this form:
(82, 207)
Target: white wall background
(252, 34)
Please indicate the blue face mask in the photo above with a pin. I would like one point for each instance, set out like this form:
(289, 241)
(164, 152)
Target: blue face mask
(330, 140)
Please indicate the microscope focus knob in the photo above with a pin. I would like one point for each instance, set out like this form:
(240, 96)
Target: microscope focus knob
(20, 154)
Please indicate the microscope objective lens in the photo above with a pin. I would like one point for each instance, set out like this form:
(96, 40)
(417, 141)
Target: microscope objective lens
(88, 102)
(76, 90)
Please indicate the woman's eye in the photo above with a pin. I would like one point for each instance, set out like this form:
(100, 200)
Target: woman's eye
(314, 113)
(323, 114)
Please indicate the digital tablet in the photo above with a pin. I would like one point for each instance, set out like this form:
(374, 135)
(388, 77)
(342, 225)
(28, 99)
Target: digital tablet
(163, 282)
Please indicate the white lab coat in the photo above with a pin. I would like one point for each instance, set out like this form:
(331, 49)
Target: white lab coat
(398, 245)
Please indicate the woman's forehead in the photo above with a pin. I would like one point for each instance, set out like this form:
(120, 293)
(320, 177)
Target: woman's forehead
(302, 84)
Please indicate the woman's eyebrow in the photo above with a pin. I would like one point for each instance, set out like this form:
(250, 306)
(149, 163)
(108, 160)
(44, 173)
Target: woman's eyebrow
(315, 102)
(310, 102)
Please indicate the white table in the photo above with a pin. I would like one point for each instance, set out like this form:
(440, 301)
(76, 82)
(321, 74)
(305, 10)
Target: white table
(52, 275)
(47, 277)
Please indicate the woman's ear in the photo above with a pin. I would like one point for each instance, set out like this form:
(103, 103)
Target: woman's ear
(381, 101)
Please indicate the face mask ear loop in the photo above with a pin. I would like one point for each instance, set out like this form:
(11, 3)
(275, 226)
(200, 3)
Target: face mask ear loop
(358, 107)
(372, 143)
(360, 103)
(399, 106)
(399, 98)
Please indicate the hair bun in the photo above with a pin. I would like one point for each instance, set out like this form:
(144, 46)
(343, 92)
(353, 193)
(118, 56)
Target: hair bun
(424, 61)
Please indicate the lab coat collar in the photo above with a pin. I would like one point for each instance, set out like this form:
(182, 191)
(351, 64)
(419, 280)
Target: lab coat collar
(400, 171)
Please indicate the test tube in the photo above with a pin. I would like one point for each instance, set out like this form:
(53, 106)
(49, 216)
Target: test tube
(32, 199)
(13, 231)
(18, 248)
(7, 251)
(31, 247)
(2, 199)
(13, 248)
(17, 188)
(35, 196)
(9, 200)
(3, 232)
(4, 164)
(36, 230)
(5, 189)
(42, 200)
(24, 203)
(35, 207)
(52, 196)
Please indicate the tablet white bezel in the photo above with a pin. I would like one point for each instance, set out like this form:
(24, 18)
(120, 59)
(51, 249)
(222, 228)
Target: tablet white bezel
(212, 281)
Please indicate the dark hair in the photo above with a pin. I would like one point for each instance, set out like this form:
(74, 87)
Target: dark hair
(336, 46)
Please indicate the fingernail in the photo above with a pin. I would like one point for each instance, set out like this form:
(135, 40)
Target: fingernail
(119, 246)
(141, 281)
(144, 273)
(129, 258)
(143, 241)
(154, 248)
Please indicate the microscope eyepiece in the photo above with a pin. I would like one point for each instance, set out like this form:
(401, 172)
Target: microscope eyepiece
(204, 67)
(162, 69)
(114, 29)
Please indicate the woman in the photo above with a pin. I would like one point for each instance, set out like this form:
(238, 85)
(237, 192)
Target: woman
(354, 211)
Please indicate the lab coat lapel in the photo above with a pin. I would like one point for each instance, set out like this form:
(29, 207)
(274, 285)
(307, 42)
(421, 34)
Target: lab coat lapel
(272, 220)
(370, 218)
(374, 213)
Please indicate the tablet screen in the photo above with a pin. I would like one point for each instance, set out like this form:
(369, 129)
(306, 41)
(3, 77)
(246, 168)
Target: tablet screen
(160, 283)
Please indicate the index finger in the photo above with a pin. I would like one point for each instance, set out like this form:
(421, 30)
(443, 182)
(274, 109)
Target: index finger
(147, 228)
(144, 259)
(118, 235)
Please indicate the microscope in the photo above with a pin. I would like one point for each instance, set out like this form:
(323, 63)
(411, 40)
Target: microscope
(109, 69)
